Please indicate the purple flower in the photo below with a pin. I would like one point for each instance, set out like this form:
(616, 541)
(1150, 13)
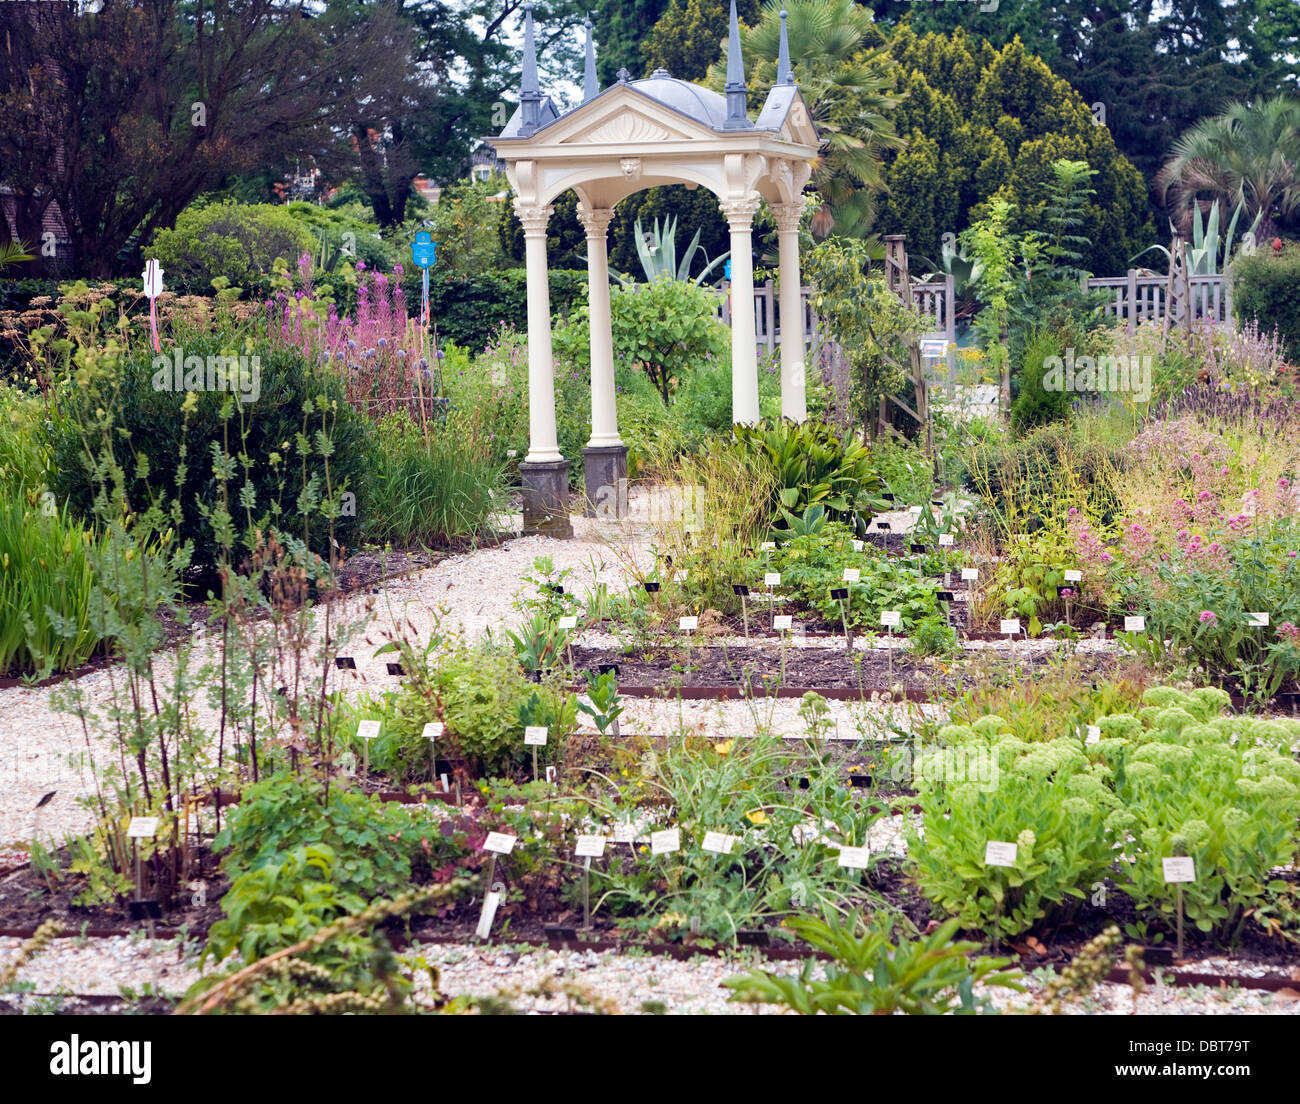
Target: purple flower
(1207, 616)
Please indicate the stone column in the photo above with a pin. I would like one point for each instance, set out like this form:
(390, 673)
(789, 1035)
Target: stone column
(793, 392)
(544, 472)
(604, 460)
(744, 355)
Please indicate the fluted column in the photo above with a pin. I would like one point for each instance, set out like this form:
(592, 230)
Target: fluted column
(793, 391)
(744, 356)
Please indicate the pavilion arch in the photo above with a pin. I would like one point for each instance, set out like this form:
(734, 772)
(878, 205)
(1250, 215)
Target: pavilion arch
(635, 135)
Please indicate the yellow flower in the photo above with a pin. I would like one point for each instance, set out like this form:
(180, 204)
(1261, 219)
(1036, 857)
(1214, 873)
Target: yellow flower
(724, 747)
(756, 816)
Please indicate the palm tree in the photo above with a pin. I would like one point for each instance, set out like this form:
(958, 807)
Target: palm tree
(1250, 154)
(847, 80)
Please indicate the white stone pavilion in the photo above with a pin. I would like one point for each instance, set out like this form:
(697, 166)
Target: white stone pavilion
(640, 134)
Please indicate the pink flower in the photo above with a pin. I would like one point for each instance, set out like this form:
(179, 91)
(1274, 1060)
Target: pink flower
(1207, 615)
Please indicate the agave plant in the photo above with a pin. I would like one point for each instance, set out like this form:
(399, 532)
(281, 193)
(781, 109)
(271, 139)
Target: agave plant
(1207, 245)
(658, 253)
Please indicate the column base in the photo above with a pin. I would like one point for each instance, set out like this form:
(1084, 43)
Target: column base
(546, 498)
(605, 472)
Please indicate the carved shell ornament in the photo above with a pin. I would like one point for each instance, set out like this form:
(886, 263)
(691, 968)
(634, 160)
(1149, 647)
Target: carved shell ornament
(629, 127)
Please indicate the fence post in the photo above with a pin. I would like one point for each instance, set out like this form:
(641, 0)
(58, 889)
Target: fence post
(1131, 291)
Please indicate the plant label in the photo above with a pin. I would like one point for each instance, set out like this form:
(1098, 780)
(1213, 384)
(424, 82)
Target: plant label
(718, 843)
(502, 843)
(1094, 735)
(567, 623)
(839, 594)
(772, 578)
(999, 854)
(857, 546)
(1182, 869)
(591, 847)
(433, 730)
(662, 843)
(142, 828)
(445, 787)
(535, 736)
(740, 589)
(853, 575)
(1135, 624)
(688, 624)
(914, 509)
(782, 621)
(766, 545)
(890, 618)
(368, 730)
(1009, 626)
(550, 775)
(490, 905)
(946, 540)
(856, 858)
(1073, 576)
(1257, 620)
(969, 574)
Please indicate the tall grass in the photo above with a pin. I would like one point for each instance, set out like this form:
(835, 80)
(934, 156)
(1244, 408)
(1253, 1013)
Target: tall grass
(46, 583)
(431, 490)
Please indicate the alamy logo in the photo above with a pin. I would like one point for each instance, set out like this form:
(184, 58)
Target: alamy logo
(239, 375)
(102, 1058)
(962, 764)
(1131, 375)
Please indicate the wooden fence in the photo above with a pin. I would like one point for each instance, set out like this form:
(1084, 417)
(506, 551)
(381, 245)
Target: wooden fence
(1138, 298)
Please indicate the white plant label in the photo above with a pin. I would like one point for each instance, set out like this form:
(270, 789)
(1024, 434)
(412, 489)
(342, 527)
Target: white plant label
(1182, 869)
(853, 575)
(718, 843)
(661, 843)
(1073, 576)
(535, 736)
(368, 730)
(914, 509)
(772, 578)
(445, 788)
(1094, 735)
(969, 574)
(857, 858)
(590, 847)
(490, 905)
(500, 842)
(153, 278)
(782, 621)
(550, 775)
(1135, 624)
(999, 854)
(688, 624)
(946, 540)
(142, 828)
(766, 545)
(1009, 625)
(567, 622)
(857, 546)
(433, 730)
(890, 618)
(1257, 620)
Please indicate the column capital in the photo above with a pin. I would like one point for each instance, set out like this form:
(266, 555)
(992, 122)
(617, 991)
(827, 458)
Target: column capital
(740, 211)
(787, 216)
(595, 220)
(533, 217)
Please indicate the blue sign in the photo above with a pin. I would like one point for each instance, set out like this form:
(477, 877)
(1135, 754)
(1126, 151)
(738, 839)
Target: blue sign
(726, 269)
(423, 249)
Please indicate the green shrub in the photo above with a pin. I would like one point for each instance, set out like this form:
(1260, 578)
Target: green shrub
(344, 235)
(24, 450)
(470, 309)
(433, 490)
(240, 241)
(290, 456)
(1035, 405)
(1266, 290)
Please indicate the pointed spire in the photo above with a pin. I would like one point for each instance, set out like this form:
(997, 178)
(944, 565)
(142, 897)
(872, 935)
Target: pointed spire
(737, 114)
(530, 92)
(590, 85)
(784, 75)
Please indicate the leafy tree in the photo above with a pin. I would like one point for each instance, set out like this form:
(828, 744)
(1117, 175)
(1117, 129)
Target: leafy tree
(1249, 154)
(621, 30)
(981, 122)
(847, 79)
(566, 239)
(689, 36)
(1063, 215)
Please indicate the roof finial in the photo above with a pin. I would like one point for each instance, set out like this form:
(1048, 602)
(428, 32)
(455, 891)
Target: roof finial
(783, 73)
(530, 92)
(590, 85)
(737, 114)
